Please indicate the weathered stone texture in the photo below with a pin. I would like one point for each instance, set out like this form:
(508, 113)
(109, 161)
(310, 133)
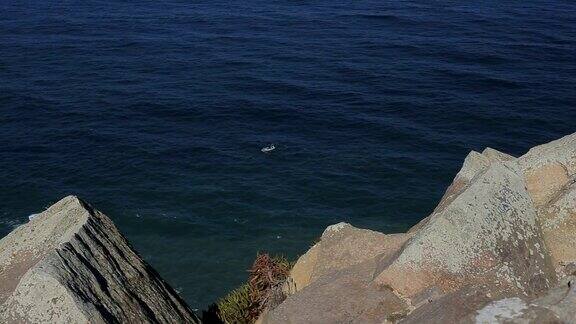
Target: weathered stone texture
(500, 247)
(556, 306)
(486, 233)
(342, 246)
(549, 167)
(71, 265)
(492, 251)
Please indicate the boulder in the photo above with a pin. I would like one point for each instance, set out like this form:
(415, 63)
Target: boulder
(549, 167)
(485, 235)
(475, 163)
(550, 172)
(70, 264)
(495, 155)
(484, 242)
(453, 307)
(341, 267)
(558, 222)
(556, 306)
(342, 245)
(499, 248)
(344, 296)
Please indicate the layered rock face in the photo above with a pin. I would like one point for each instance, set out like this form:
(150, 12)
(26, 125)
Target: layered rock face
(499, 247)
(70, 264)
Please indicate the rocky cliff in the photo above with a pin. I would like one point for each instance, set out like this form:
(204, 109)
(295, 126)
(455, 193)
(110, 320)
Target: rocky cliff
(499, 247)
(70, 264)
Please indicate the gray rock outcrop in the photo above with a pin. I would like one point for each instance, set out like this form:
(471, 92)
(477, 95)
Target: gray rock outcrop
(341, 267)
(341, 246)
(556, 306)
(499, 248)
(70, 264)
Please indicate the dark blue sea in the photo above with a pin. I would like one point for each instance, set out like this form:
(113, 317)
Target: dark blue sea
(155, 112)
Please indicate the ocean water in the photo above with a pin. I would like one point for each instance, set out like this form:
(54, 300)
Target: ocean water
(155, 112)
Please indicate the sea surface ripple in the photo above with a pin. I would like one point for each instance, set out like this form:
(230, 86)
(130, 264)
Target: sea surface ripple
(156, 111)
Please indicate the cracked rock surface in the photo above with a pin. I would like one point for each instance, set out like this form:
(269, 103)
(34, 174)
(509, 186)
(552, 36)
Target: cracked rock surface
(500, 247)
(70, 264)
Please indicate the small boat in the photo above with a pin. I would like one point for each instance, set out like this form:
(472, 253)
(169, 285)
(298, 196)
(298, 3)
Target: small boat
(268, 148)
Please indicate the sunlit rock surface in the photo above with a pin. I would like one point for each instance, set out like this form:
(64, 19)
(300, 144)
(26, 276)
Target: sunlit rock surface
(499, 248)
(70, 264)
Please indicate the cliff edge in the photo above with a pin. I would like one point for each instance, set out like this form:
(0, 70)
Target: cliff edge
(70, 264)
(500, 247)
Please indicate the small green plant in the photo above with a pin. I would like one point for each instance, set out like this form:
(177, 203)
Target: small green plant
(237, 306)
(244, 304)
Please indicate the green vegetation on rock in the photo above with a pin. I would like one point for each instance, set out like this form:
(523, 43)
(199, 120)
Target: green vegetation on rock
(237, 307)
(264, 287)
